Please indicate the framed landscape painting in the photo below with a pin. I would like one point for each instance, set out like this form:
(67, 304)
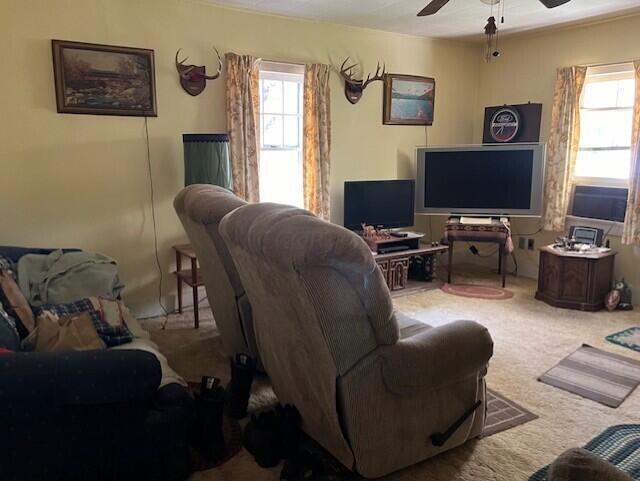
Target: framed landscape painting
(408, 100)
(104, 79)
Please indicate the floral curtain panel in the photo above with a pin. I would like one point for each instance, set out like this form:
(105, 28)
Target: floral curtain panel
(243, 103)
(317, 139)
(631, 233)
(562, 148)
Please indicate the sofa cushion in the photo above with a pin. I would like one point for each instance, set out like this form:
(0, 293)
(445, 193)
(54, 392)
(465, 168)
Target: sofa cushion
(9, 337)
(16, 304)
(113, 332)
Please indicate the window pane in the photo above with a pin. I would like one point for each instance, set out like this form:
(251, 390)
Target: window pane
(626, 93)
(603, 163)
(271, 97)
(600, 94)
(291, 134)
(605, 128)
(272, 130)
(281, 177)
(291, 96)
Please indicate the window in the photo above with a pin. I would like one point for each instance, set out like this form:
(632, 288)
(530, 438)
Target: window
(606, 113)
(281, 133)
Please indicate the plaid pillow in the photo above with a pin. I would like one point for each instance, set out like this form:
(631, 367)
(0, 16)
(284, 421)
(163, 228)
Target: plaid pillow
(112, 335)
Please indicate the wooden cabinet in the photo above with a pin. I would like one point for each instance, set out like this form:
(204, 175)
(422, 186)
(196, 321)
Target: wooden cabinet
(395, 265)
(574, 281)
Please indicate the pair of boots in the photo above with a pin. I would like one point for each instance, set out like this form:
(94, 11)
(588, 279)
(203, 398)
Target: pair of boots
(208, 433)
(273, 435)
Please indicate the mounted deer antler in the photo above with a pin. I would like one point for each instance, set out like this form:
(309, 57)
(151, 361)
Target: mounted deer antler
(193, 78)
(353, 88)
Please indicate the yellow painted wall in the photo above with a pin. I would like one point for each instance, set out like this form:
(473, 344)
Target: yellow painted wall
(526, 71)
(82, 181)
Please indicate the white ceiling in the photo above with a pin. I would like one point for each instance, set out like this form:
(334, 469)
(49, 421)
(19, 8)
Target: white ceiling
(457, 19)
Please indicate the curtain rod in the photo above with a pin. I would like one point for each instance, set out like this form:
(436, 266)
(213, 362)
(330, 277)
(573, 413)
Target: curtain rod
(260, 59)
(607, 64)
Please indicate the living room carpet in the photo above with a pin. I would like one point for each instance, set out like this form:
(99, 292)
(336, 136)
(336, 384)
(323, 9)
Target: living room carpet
(620, 445)
(528, 335)
(595, 374)
(628, 338)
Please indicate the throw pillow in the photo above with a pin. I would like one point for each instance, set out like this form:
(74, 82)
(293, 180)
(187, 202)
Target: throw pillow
(74, 332)
(9, 337)
(112, 332)
(16, 304)
(582, 465)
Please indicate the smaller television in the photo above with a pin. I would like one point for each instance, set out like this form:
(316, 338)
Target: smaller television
(388, 204)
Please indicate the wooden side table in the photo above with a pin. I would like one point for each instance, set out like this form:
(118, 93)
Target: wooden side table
(192, 277)
(574, 280)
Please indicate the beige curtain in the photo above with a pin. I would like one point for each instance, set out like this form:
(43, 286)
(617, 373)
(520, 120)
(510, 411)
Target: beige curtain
(631, 233)
(317, 139)
(562, 148)
(243, 102)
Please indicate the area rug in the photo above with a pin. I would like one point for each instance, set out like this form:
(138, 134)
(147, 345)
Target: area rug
(620, 445)
(477, 292)
(503, 414)
(628, 338)
(595, 374)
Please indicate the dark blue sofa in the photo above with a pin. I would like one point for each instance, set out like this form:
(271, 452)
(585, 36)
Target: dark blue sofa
(90, 416)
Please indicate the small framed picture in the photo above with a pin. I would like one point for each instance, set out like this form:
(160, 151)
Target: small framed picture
(104, 79)
(408, 100)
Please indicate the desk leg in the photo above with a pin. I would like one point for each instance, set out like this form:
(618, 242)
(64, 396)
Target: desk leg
(194, 283)
(450, 262)
(179, 280)
(503, 264)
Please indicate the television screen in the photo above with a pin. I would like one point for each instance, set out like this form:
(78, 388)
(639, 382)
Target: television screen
(481, 180)
(386, 203)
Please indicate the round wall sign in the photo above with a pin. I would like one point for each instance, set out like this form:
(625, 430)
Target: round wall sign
(505, 124)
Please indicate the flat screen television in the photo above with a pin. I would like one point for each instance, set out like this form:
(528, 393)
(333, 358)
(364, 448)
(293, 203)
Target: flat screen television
(481, 180)
(386, 203)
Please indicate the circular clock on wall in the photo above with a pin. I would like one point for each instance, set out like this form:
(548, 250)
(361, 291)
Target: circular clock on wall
(504, 125)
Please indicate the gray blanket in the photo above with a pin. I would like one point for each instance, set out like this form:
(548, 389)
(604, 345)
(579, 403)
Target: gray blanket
(60, 278)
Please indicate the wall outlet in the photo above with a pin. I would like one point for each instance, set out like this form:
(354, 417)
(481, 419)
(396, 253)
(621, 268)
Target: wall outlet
(521, 242)
(530, 244)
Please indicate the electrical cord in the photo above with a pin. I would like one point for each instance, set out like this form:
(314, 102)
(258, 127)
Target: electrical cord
(155, 226)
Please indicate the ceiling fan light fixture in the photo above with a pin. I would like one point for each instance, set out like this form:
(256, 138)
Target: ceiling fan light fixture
(490, 2)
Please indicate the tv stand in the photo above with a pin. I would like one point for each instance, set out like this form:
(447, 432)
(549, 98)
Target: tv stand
(409, 241)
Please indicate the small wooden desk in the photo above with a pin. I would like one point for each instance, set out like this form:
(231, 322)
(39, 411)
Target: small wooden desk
(496, 232)
(192, 277)
(574, 280)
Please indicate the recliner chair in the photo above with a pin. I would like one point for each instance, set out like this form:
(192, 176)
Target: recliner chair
(200, 208)
(376, 389)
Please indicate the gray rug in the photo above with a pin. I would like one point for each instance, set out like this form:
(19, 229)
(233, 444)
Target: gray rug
(595, 374)
(503, 414)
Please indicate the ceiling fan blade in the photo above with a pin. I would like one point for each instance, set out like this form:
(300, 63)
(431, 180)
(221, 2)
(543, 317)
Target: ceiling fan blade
(553, 3)
(432, 8)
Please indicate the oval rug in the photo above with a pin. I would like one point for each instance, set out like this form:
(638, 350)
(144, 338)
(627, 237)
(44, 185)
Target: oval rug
(477, 292)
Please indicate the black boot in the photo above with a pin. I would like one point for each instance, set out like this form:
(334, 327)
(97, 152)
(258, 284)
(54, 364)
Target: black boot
(290, 431)
(210, 409)
(262, 438)
(243, 368)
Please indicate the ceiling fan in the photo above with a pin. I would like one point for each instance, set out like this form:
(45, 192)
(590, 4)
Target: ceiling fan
(436, 5)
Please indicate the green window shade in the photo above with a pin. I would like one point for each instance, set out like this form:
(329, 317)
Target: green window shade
(206, 159)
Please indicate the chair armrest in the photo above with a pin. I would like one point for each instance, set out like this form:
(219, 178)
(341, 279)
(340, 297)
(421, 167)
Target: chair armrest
(436, 357)
(78, 378)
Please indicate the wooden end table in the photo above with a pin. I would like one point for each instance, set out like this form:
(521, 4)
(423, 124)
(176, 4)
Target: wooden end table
(574, 280)
(192, 277)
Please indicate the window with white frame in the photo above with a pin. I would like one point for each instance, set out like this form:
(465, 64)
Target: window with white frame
(281, 109)
(606, 115)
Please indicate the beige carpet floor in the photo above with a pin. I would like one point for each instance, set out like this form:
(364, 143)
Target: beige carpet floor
(530, 337)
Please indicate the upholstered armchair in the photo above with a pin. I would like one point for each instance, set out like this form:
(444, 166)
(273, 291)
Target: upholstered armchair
(376, 389)
(200, 208)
